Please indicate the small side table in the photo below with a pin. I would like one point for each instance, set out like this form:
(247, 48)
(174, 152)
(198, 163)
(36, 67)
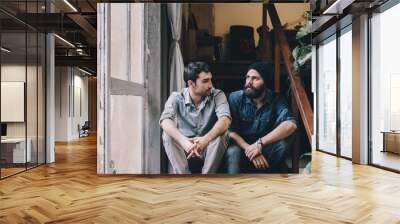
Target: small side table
(391, 141)
(15, 152)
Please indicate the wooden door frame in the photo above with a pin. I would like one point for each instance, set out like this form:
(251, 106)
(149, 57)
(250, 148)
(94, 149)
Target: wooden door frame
(150, 90)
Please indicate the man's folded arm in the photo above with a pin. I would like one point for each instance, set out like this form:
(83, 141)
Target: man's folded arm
(219, 128)
(285, 123)
(224, 117)
(238, 140)
(171, 130)
(168, 124)
(283, 130)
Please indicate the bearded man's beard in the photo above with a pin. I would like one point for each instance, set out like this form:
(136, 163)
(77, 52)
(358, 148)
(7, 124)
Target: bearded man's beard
(252, 92)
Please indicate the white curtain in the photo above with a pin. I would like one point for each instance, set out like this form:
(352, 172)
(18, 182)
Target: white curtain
(176, 60)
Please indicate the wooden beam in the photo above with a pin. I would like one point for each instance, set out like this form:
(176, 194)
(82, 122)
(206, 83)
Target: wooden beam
(264, 15)
(297, 87)
(277, 66)
(264, 44)
(296, 146)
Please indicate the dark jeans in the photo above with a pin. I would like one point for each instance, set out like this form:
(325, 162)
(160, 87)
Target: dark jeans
(236, 160)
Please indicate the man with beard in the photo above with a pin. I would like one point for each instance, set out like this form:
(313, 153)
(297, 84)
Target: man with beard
(195, 122)
(261, 127)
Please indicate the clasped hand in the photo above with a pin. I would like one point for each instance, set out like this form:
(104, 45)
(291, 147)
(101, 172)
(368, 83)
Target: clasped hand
(198, 144)
(253, 152)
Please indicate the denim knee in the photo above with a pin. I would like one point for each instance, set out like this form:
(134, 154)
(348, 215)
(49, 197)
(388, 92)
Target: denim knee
(233, 156)
(275, 153)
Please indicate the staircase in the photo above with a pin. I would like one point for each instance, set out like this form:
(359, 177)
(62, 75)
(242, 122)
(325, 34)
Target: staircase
(301, 106)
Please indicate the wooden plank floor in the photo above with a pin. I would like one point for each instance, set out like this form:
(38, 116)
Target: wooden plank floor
(70, 191)
(10, 171)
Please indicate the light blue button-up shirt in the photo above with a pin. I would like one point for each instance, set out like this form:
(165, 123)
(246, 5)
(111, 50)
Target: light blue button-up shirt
(192, 121)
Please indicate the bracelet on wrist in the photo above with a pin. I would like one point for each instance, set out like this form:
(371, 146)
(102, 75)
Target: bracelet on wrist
(260, 142)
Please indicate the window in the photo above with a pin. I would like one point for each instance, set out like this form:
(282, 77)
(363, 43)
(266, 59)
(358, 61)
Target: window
(327, 96)
(385, 87)
(22, 77)
(346, 92)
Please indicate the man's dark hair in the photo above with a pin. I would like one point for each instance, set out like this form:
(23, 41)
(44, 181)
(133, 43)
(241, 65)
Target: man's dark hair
(193, 69)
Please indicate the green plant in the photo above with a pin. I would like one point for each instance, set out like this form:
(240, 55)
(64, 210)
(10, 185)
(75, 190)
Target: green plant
(303, 52)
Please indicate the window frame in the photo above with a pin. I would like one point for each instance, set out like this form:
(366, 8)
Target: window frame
(333, 37)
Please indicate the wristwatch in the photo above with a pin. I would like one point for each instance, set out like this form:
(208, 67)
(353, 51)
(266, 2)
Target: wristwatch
(260, 142)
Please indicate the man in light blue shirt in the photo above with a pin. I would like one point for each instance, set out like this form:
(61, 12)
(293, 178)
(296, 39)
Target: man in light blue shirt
(195, 122)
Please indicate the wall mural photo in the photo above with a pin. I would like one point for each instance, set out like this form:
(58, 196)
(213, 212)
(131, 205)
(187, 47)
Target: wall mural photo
(209, 88)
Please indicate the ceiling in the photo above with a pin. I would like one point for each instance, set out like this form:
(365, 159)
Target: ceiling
(74, 22)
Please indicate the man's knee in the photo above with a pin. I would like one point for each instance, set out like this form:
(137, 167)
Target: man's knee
(232, 159)
(233, 153)
(169, 143)
(276, 152)
(220, 142)
(166, 137)
(282, 145)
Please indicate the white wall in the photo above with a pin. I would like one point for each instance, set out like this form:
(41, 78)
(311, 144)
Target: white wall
(80, 83)
(33, 126)
(17, 72)
(67, 116)
(12, 73)
(62, 81)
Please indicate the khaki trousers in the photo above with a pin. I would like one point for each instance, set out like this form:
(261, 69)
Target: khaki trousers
(212, 155)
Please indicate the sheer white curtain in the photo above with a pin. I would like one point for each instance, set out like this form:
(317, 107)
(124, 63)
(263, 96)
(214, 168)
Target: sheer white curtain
(176, 60)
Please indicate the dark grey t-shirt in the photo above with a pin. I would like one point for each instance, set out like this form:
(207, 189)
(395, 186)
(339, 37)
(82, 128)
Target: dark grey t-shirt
(192, 121)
